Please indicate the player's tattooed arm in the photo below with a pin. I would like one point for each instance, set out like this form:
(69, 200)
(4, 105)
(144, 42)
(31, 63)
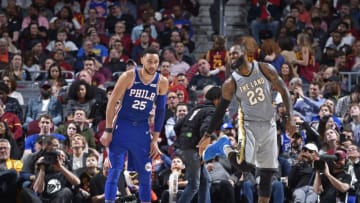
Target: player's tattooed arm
(228, 89)
(272, 75)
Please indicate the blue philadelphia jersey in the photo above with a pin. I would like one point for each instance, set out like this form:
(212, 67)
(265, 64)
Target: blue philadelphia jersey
(138, 101)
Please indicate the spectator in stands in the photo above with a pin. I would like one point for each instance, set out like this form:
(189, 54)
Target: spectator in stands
(89, 49)
(264, 15)
(114, 16)
(177, 166)
(291, 29)
(99, 93)
(164, 36)
(181, 112)
(115, 62)
(31, 64)
(147, 20)
(217, 57)
(99, 6)
(328, 58)
(10, 25)
(354, 58)
(295, 12)
(46, 126)
(309, 106)
(164, 69)
(81, 95)
(270, 52)
(12, 104)
(118, 45)
(99, 74)
(33, 33)
(75, 5)
(65, 60)
(331, 141)
(5, 133)
(182, 80)
(326, 110)
(180, 20)
(85, 174)
(181, 92)
(45, 67)
(204, 78)
(16, 68)
(318, 30)
(45, 103)
(12, 84)
(335, 40)
(93, 20)
(9, 46)
(342, 107)
(81, 120)
(62, 36)
(171, 103)
(5, 55)
(37, 50)
(287, 73)
(13, 123)
(176, 66)
(34, 17)
(57, 178)
(65, 20)
(78, 156)
(71, 130)
(355, 121)
(174, 38)
(10, 169)
(125, 38)
(182, 54)
(55, 76)
(137, 50)
(333, 183)
(222, 182)
(305, 61)
(302, 175)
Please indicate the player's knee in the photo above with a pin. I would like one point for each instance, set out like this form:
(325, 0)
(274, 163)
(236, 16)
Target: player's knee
(265, 185)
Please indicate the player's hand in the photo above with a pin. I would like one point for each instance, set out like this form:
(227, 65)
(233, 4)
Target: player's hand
(106, 166)
(203, 143)
(106, 138)
(154, 149)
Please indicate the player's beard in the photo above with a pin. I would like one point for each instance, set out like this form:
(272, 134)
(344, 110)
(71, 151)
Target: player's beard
(148, 72)
(238, 62)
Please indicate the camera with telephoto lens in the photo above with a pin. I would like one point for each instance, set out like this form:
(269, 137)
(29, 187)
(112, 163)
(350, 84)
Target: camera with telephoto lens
(320, 164)
(50, 157)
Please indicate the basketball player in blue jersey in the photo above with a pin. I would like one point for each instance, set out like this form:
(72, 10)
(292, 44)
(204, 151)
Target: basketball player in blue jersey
(251, 84)
(127, 127)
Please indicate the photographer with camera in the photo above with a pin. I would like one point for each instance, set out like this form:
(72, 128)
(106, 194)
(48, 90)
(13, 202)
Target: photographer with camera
(302, 175)
(331, 180)
(54, 180)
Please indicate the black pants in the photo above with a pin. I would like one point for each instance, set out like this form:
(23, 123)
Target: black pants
(8, 185)
(222, 192)
(215, 15)
(63, 196)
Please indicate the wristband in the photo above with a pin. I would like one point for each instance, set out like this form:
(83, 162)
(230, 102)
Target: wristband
(108, 130)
